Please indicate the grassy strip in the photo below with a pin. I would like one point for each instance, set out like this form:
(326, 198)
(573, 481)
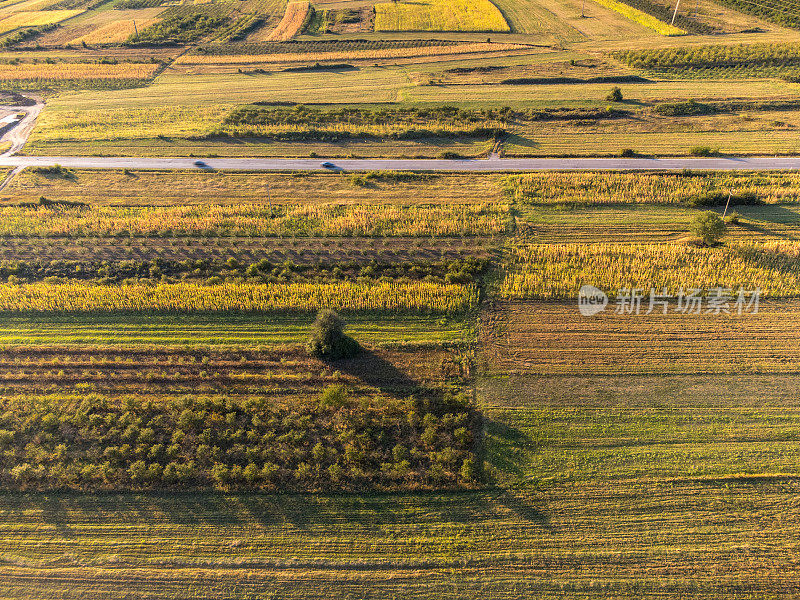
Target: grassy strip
(221, 330)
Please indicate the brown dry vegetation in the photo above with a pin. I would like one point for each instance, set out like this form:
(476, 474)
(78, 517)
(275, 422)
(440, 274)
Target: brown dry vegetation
(554, 338)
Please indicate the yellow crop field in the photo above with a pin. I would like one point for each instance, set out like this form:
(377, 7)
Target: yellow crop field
(291, 24)
(550, 272)
(259, 220)
(246, 297)
(439, 15)
(26, 6)
(253, 59)
(35, 18)
(640, 17)
(73, 71)
(114, 33)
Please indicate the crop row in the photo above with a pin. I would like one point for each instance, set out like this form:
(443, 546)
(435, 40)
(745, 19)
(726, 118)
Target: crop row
(559, 271)
(745, 55)
(42, 72)
(313, 47)
(419, 296)
(330, 442)
(783, 12)
(249, 220)
(347, 53)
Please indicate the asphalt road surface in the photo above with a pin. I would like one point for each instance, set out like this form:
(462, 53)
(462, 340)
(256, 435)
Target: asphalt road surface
(472, 165)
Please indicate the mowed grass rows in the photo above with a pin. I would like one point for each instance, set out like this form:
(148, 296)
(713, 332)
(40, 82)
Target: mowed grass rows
(554, 338)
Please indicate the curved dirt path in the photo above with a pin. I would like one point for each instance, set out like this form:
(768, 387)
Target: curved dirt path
(19, 133)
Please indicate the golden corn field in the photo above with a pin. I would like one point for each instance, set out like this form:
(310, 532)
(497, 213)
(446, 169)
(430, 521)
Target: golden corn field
(439, 15)
(291, 24)
(35, 18)
(258, 220)
(72, 71)
(647, 188)
(550, 272)
(253, 59)
(642, 18)
(244, 297)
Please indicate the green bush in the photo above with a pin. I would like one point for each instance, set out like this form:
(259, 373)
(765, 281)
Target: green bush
(684, 109)
(328, 339)
(703, 151)
(709, 227)
(720, 198)
(615, 95)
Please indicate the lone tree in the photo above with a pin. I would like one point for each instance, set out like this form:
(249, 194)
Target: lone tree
(615, 95)
(709, 227)
(328, 339)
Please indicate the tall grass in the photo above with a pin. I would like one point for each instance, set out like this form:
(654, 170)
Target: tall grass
(419, 296)
(551, 272)
(333, 219)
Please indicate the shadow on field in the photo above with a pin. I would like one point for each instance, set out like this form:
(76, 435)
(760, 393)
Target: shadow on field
(504, 447)
(524, 509)
(376, 371)
(71, 513)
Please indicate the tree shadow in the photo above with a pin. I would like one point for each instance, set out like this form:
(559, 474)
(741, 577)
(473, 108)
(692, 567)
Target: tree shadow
(504, 450)
(522, 506)
(375, 370)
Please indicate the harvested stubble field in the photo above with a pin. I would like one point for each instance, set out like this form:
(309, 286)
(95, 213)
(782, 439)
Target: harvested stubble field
(553, 338)
(451, 545)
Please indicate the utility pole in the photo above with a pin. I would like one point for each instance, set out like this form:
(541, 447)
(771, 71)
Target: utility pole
(730, 193)
(583, 8)
(675, 14)
(135, 29)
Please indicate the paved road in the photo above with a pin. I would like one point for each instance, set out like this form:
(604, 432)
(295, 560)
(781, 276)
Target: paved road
(477, 165)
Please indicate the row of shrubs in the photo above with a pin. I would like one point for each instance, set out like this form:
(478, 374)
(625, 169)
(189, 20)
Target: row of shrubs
(455, 271)
(335, 441)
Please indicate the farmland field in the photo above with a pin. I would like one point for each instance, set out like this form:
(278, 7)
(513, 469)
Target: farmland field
(378, 384)
(439, 15)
